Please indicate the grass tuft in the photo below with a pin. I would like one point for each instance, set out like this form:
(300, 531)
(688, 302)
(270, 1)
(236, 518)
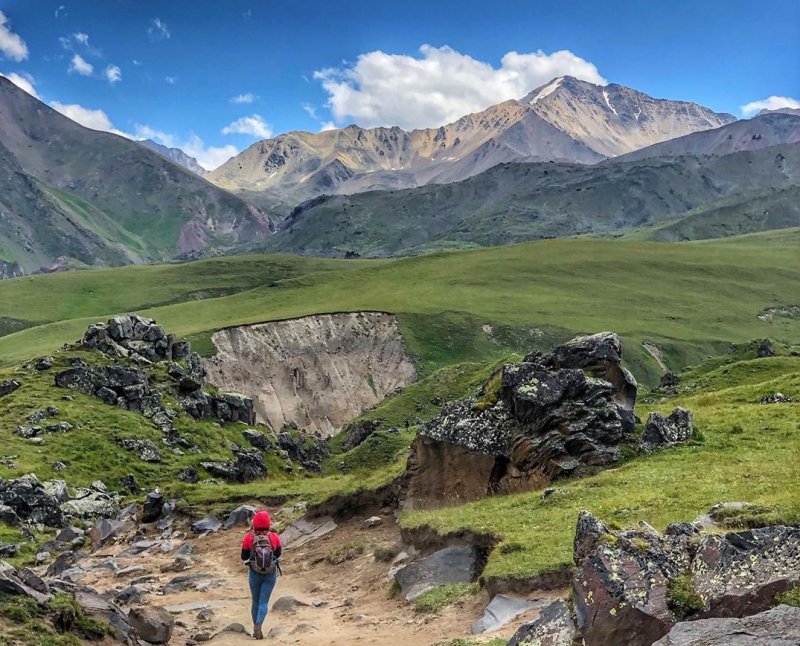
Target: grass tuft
(438, 598)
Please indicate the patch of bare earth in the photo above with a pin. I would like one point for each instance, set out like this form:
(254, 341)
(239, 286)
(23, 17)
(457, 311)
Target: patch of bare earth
(358, 607)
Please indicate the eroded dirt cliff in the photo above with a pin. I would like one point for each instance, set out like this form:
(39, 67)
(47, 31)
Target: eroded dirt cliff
(317, 371)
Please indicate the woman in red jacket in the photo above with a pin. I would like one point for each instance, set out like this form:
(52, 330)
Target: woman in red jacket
(261, 549)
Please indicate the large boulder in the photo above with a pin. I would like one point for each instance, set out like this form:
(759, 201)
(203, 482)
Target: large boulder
(30, 501)
(546, 417)
(152, 623)
(8, 386)
(249, 465)
(663, 431)
(457, 564)
(500, 611)
(776, 627)
(621, 585)
(740, 573)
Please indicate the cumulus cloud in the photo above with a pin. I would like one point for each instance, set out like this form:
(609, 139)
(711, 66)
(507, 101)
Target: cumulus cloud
(158, 30)
(770, 103)
(81, 65)
(253, 125)
(94, 119)
(440, 85)
(209, 157)
(327, 125)
(11, 45)
(247, 97)
(23, 82)
(113, 74)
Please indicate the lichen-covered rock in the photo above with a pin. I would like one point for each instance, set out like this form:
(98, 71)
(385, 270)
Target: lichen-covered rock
(449, 565)
(660, 431)
(777, 627)
(622, 582)
(765, 349)
(28, 498)
(555, 626)
(152, 623)
(249, 465)
(740, 573)
(776, 398)
(357, 432)
(144, 449)
(546, 417)
(8, 386)
(306, 449)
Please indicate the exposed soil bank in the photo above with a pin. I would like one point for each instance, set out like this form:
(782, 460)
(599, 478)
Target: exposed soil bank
(317, 371)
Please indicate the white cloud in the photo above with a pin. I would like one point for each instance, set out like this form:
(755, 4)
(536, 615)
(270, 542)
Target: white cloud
(247, 97)
(22, 81)
(113, 74)
(209, 157)
(253, 125)
(328, 125)
(58, 11)
(11, 45)
(94, 119)
(82, 38)
(81, 66)
(439, 86)
(158, 30)
(136, 62)
(770, 103)
(171, 80)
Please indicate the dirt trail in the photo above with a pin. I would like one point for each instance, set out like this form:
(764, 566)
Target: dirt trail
(359, 607)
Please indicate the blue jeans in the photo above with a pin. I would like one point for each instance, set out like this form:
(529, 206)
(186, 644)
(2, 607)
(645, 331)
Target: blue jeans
(261, 586)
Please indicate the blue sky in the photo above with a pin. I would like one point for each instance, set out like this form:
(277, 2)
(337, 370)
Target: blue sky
(173, 70)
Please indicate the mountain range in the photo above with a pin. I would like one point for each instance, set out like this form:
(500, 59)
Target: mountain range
(570, 158)
(565, 120)
(74, 195)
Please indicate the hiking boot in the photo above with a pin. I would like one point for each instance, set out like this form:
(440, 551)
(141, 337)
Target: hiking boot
(257, 634)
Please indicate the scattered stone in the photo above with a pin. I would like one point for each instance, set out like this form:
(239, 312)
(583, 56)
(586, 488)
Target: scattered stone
(661, 432)
(303, 530)
(319, 603)
(449, 565)
(153, 506)
(144, 449)
(91, 504)
(372, 521)
(554, 627)
(206, 614)
(276, 631)
(43, 363)
(777, 627)
(184, 582)
(8, 386)
(669, 381)
(130, 570)
(59, 466)
(11, 583)
(152, 623)
(129, 596)
(357, 432)
(206, 525)
(303, 629)
(235, 628)
(287, 605)
(249, 465)
(306, 449)
(189, 474)
(501, 610)
(776, 398)
(240, 517)
(107, 530)
(8, 516)
(257, 439)
(765, 349)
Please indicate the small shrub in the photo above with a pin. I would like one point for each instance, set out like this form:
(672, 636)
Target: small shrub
(345, 553)
(384, 554)
(442, 596)
(69, 617)
(683, 599)
(789, 598)
(18, 609)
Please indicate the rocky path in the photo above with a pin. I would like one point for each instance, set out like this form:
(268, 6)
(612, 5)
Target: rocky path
(350, 602)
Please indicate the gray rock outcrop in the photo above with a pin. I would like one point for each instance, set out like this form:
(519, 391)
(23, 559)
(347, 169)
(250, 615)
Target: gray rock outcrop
(776, 627)
(555, 626)
(152, 623)
(449, 565)
(661, 432)
(8, 386)
(546, 417)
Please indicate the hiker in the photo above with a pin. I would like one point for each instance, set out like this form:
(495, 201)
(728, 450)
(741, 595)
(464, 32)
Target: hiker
(261, 549)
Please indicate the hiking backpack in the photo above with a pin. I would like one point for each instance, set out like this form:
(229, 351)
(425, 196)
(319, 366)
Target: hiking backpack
(262, 556)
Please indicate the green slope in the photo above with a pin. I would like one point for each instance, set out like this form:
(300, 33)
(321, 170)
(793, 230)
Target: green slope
(692, 299)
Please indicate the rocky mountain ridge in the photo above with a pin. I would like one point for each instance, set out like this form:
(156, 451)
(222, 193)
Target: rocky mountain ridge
(176, 155)
(565, 120)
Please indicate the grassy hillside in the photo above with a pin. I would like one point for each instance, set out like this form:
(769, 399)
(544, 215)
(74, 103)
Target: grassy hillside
(691, 299)
(747, 451)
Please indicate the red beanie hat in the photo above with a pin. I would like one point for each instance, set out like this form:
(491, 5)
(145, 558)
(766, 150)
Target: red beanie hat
(261, 520)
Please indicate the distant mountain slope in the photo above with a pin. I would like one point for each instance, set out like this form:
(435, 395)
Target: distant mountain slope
(176, 155)
(771, 129)
(515, 202)
(614, 119)
(794, 111)
(743, 213)
(102, 199)
(566, 120)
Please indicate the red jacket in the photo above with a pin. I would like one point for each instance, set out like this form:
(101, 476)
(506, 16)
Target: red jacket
(249, 537)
